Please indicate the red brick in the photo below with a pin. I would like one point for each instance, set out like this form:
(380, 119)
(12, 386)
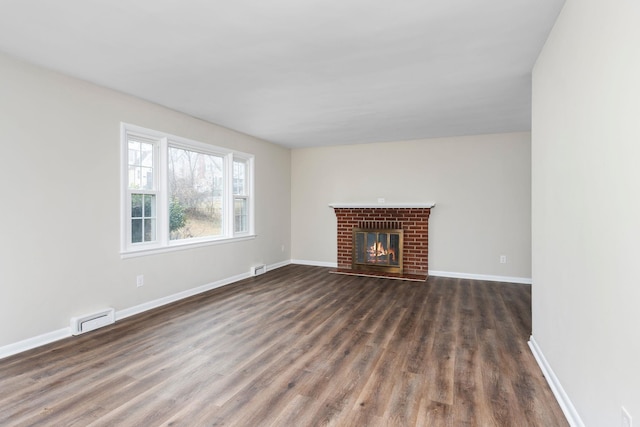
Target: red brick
(414, 222)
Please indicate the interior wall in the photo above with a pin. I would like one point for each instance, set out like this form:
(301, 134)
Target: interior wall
(586, 210)
(60, 215)
(481, 186)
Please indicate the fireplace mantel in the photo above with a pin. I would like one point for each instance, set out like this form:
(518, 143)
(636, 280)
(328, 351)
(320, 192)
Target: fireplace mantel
(427, 205)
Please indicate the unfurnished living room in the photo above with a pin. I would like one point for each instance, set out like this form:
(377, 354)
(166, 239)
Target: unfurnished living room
(302, 213)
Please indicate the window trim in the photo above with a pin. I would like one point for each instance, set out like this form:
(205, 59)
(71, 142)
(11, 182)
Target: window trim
(163, 244)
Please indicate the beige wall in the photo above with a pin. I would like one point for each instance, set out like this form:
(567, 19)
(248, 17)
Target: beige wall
(60, 208)
(480, 184)
(586, 209)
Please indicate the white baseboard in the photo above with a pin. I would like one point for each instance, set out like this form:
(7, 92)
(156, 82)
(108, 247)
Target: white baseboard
(31, 343)
(521, 280)
(278, 265)
(53, 336)
(315, 263)
(561, 396)
(141, 308)
(489, 278)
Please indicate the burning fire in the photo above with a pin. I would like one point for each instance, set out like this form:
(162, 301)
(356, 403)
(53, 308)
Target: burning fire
(378, 249)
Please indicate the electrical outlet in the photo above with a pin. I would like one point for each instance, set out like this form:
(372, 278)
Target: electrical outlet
(626, 418)
(282, 248)
(380, 199)
(503, 259)
(139, 280)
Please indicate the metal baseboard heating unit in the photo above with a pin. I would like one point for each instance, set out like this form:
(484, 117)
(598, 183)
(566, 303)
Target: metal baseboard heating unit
(257, 270)
(90, 322)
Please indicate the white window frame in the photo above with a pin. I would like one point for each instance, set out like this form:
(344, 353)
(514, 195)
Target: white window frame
(161, 143)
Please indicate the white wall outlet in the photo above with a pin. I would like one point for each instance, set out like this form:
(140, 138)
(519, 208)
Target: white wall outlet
(503, 259)
(626, 418)
(380, 199)
(139, 280)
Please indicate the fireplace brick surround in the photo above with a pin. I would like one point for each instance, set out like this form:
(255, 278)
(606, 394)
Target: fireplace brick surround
(414, 220)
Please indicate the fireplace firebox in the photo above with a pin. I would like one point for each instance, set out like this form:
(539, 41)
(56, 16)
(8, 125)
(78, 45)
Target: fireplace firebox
(377, 249)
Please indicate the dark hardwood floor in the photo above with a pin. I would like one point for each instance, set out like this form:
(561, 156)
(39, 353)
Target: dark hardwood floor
(297, 346)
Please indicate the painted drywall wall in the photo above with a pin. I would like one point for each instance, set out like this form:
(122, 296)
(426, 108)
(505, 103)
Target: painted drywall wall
(586, 210)
(60, 214)
(480, 184)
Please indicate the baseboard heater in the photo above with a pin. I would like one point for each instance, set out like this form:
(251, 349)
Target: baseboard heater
(90, 322)
(257, 270)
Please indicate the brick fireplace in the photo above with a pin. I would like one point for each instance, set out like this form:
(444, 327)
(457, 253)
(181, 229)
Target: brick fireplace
(412, 219)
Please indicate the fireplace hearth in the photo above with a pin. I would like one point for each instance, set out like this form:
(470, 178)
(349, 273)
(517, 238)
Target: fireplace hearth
(383, 240)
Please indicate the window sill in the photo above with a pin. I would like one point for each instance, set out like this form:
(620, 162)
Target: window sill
(183, 246)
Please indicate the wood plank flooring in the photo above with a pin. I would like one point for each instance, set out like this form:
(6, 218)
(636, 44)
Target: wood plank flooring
(297, 346)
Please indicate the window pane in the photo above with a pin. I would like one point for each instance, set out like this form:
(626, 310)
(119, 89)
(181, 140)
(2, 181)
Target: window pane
(149, 206)
(146, 178)
(136, 230)
(195, 194)
(143, 218)
(134, 152)
(136, 205)
(140, 164)
(149, 230)
(134, 177)
(240, 215)
(239, 178)
(146, 155)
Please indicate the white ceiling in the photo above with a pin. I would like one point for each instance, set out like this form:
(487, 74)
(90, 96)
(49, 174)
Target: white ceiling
(301, 72)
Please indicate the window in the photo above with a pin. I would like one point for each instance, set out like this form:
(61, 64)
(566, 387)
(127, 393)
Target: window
(240, 197)
(142, 189)
(177, 192)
